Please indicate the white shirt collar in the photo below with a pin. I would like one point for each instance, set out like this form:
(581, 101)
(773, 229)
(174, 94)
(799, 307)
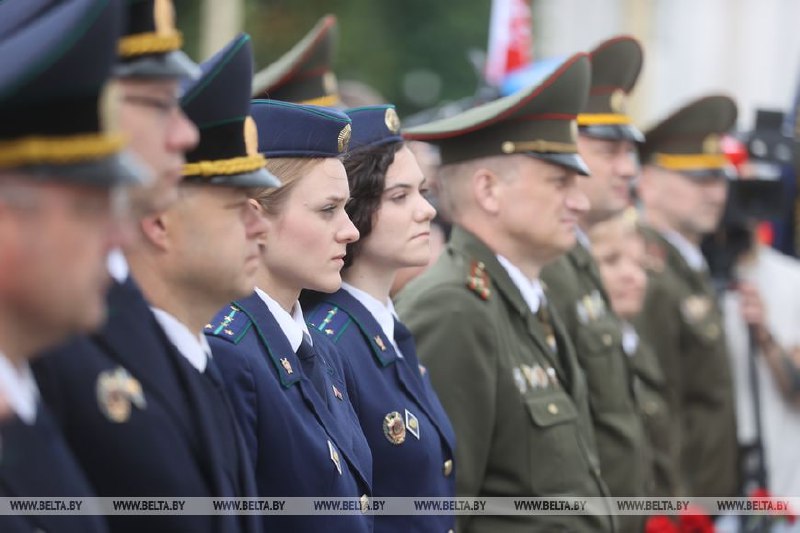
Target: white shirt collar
(293, 326)
(383, 313)
(117, 265)
(690, 253)
(531, 289)
(630, 339)
(583, 239)
(193, 346)
(19, 389)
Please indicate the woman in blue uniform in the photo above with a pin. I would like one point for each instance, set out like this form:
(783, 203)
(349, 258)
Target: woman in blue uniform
(411, 439)
(286, 383)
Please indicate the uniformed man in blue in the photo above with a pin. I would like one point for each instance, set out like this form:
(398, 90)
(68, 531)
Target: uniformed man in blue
(140, 402)
(410, 436)
(497, 355)
(286, 381)
(60, 168)
(607, 141)
(304, 74)
(683, 190)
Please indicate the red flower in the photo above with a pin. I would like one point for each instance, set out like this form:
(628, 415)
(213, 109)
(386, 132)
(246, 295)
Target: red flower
(660, 524)
(695, 520)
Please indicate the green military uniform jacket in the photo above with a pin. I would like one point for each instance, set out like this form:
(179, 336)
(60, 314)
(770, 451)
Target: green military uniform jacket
(576, 290)
(683, 323)
(519, 410)
(650, 392)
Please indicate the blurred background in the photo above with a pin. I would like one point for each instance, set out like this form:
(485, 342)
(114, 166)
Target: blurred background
(419, 53)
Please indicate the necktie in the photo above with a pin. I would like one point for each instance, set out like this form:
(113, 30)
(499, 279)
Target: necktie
(312, 366)
(543, 315)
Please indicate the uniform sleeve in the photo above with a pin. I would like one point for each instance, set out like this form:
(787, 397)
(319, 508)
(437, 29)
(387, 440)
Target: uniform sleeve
(237, 373)
(456, 342)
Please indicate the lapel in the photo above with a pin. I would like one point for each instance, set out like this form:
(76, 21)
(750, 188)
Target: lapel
(36, 454)
(473, 249)
(699, 281)
(133, 338)
(406, 372)
(583, 261)
(137, 341)
(290, 374)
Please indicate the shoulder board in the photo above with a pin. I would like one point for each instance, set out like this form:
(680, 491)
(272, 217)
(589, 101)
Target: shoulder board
(478, 280)
(329, 320)
(231, 323)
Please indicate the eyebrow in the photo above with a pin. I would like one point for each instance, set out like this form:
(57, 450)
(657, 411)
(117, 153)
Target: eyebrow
(405, 185)
(337, 198)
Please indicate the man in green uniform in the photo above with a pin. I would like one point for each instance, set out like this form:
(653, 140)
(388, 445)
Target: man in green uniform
(607, 142)
(502, 364)
(683, 190)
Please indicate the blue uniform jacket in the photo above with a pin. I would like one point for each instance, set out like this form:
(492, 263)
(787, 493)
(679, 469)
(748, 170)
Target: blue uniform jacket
(135, 413)
(302, 445)
(384, 383)
(35, 462)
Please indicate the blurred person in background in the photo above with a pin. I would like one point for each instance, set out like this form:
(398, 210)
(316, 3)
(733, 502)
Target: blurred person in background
(607, 141)
(683, 189)
(61, 211)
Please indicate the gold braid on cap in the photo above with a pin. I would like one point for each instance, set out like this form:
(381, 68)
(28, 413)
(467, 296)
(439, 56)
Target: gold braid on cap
(681, 162)
(225, 167)
(149, 43)
(603, 119)
(330, 100)
(511, 147)
(62, 150)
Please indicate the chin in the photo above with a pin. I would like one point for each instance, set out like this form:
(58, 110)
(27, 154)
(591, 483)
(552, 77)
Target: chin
(329, 285)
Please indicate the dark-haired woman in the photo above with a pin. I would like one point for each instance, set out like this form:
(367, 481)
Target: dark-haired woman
(409, 434)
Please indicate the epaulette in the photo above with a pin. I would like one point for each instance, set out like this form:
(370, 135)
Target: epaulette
(231, 323)
(478, 280)
(330, 320)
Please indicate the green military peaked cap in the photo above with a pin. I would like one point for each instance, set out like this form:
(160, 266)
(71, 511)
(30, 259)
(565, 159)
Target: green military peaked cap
(538, 121)
(304, 75)
(616, 64)
(688, 140)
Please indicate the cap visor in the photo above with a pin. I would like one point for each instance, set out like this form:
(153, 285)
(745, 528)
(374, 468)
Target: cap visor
(613, 132)
(175, 64)
(570, 161)
(257, 178)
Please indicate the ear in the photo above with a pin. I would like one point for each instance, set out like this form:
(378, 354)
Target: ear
(154, 228)
(261, 239)
(485, 186)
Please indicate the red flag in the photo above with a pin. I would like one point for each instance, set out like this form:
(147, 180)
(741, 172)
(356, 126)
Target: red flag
(510, 40)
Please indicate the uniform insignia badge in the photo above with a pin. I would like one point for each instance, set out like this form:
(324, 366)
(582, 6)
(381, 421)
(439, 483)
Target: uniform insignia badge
(328, 331)
(478, 280)
(422, 370)
(617, 101)
(287, 365)
(393, 428)
(379, 341)
(337, 392)
(695, 308)
(392, 120)
(343, 139)
(552, 376)
(412, 424)
(540, 376)
(519, 379)
(116, 391)
(335, 457)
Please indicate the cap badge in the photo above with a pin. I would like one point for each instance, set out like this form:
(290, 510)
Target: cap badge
(617, 101)
(344, 138)
(392, 120)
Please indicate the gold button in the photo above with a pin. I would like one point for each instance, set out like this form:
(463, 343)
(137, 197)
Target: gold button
(448, 467)
(364, 503)
(552, 408)
(450, 531)
(607, 339)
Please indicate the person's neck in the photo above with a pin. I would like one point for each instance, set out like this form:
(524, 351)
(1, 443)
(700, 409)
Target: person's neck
(501, 244)
(372, 279)
(659, 223)
(285, 295)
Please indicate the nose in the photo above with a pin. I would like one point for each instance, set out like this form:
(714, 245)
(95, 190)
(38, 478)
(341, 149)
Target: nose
(576, 201)
(182, 134)
(348, 233)
(425, 211)
(626, 162)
